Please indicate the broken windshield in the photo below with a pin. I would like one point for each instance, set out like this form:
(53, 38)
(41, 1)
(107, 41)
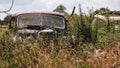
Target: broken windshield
(35, 19)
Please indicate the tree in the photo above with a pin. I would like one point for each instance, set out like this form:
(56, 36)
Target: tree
(60, 8)
(102, 10)
(7, 19)
(0, 21)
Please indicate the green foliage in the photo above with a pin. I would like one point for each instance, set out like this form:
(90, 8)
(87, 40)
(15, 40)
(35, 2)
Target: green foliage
(39, 52)
(60, 8)
(82, 27)
(7, 19)
(93, 46)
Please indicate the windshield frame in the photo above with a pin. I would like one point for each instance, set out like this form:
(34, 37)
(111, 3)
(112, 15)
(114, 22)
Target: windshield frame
(62, 17)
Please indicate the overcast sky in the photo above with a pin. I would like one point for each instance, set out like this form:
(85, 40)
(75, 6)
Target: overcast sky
(49, 5)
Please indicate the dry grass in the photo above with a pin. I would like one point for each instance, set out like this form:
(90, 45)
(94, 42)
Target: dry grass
(62, 53)
(31, 53)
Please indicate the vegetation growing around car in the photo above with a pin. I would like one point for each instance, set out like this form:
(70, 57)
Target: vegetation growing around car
(95, 45)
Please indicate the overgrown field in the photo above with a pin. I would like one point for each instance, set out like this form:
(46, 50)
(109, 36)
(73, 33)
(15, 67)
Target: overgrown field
(95, 46)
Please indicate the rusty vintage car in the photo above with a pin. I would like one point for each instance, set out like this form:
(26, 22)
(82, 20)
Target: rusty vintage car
(113, 20)
(38, 23)
(105, 22)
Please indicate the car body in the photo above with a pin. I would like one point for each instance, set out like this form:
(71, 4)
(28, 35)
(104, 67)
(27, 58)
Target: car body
(108, 20)
(105, 22)
(37, 23)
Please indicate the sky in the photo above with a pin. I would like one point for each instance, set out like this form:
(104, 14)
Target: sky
(50, 5)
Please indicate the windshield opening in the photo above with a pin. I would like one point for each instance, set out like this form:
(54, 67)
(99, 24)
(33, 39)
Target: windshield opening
(34, 19)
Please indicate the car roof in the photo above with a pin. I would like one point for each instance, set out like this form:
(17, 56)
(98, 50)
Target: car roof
(41, 12)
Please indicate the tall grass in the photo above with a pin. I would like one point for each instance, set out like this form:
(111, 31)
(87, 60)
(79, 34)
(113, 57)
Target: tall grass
(40, 54)
(92, 47)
